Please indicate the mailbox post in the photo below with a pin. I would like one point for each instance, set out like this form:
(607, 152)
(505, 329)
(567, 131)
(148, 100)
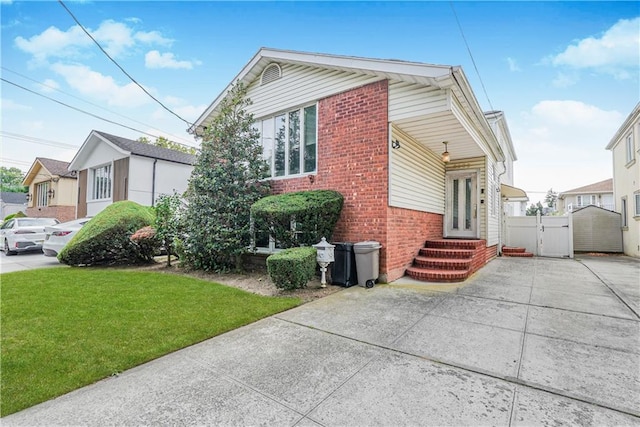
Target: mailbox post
(324, 257)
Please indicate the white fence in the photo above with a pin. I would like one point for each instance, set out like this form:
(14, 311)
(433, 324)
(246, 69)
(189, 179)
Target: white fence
(549, 236)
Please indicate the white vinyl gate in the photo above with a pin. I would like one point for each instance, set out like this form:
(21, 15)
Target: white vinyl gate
(549, 236)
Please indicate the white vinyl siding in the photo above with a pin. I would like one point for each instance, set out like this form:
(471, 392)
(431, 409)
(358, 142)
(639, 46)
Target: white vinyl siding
(298, 85)
(411, 100)
(416, 178)
(491, 198)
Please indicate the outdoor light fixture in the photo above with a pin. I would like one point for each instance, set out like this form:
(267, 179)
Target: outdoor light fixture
(51, 193)
(29, 197)
(395, 144)
(325, 256)
(445, 156)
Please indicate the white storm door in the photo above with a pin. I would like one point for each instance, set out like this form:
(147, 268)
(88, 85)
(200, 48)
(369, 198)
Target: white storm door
(461, 219)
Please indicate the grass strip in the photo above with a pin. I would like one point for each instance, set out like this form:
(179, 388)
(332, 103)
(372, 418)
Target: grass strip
(64, 328)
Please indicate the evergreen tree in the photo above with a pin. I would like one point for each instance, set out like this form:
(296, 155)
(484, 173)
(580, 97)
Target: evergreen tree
(225, 182)
(551, 198)
(534, 209)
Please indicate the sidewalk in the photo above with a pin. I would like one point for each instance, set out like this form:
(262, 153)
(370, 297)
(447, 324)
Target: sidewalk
(522, 342)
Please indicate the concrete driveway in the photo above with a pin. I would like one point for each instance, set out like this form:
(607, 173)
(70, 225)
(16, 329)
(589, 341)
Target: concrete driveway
(523, 342)
(26, 261)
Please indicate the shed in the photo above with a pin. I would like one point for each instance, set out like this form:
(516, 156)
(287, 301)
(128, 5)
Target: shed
(596, 230)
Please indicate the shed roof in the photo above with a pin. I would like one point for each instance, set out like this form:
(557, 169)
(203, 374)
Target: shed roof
(605, 186)
(148, 150)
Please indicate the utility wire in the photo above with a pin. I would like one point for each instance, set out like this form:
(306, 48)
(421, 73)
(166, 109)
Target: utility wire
(89, 102)
(36, 140)
(473, 61)
(118, 65)
(75, 108)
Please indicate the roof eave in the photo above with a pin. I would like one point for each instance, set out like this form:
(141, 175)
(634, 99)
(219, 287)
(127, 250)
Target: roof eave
(622, 129)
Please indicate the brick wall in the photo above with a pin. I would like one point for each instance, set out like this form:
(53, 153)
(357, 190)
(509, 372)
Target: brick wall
(353, 159)
(407, 232)
(62, 213)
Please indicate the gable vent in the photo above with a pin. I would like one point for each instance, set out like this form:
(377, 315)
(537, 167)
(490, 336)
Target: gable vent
(271, 73)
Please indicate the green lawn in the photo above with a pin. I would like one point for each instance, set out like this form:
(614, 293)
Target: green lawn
(63, 328)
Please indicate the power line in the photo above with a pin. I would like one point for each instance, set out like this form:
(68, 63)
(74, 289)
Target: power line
(89, 102)
(75, 108)
(36, 140)
(118, 65)
(15, 162)
(473, 61)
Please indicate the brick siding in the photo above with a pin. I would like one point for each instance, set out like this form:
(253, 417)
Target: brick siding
(62, 213)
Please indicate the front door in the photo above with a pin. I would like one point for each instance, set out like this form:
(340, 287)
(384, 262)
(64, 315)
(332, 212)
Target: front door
(461, 219)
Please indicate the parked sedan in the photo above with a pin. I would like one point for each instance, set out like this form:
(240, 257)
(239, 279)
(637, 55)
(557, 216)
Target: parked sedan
(24, 234)
(57, 236)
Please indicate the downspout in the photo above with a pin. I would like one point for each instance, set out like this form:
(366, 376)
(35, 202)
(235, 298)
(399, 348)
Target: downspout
(153, 183)
(504, 170)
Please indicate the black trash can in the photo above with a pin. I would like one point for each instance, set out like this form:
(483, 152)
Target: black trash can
(343, 269)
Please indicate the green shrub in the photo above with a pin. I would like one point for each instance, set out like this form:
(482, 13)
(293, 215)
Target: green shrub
(314, 213)
(147, 241)
(105, 240)
(292, 268)
(18, 214)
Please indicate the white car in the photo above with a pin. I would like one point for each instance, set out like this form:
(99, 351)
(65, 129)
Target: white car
(24, 234)
(57, 236)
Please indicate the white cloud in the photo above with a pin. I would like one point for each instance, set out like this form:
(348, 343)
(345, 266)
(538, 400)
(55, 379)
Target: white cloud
(155, 59)
(99, 86)
(116, 38)
(615, 52)
(513, 65)
(561, 145)
(11, 105)
(565, 80)
(54, 43)
(49, 86)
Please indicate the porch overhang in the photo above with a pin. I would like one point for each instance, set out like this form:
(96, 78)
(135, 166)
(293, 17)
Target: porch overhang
(513, 194)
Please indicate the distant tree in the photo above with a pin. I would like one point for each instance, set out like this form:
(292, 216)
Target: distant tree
(11, 180)
(534, 209)
(551, 198)
(225, 182)
(168, 224)
(163, 142)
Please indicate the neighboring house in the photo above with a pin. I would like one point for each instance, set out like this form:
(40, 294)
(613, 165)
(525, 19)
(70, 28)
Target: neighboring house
(52, 190)
(111, 168)
(625, 150)
(11, 203)
(599, 194)
(375, 130)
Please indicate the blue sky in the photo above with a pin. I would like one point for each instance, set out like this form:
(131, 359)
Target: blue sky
(566, 74)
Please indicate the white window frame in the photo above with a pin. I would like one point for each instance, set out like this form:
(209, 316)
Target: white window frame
(623, 212)
(268, 142)
(636, 199)
(629, 147)
(100, 191)
(42, 194)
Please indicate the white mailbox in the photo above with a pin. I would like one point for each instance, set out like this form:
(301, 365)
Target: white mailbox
(324, 256)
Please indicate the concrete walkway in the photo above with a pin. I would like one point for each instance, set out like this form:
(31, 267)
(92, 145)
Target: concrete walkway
(523, 342)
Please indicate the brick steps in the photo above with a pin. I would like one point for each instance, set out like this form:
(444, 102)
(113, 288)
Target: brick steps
(447, 260)
(516, 252)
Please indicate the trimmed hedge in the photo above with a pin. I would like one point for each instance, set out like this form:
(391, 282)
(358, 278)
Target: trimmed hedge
(105, 240)
(315, 214)
(292, 268)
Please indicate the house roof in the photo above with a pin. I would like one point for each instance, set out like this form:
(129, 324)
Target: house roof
(624, 127)
(52, 168)
(13, 198)
(131, 147)
(440, 76)
(605, 186)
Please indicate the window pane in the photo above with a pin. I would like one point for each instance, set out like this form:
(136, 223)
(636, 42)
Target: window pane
(310, 139)
(280, 139)
(467, 204)
(267, 143)
(294, 142)
(455, 204)
(637, 197)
